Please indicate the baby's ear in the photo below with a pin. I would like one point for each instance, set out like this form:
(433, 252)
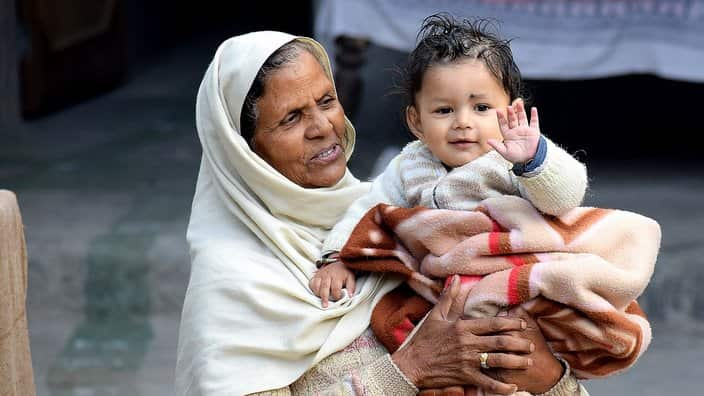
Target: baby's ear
(413, 122)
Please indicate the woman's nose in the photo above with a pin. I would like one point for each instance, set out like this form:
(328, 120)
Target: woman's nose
(320, 125)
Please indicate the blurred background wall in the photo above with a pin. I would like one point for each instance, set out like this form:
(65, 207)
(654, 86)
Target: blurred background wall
(70, 50)
(61, 52)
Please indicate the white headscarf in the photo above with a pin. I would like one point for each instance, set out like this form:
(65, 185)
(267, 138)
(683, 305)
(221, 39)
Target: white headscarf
(250, 322)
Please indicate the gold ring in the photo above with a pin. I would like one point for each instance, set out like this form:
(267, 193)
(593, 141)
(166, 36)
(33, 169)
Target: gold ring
(484, 360)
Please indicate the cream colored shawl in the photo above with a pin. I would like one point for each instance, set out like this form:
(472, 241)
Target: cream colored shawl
(250, 322)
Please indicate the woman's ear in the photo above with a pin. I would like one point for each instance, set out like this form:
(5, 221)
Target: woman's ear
(413, 122)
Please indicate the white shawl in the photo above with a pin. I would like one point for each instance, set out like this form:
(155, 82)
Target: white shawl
(250, 322)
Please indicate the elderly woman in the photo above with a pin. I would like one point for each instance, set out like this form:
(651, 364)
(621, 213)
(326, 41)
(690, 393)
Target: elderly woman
(273, 180)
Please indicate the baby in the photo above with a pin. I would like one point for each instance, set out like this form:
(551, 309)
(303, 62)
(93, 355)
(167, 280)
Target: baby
(475, 141)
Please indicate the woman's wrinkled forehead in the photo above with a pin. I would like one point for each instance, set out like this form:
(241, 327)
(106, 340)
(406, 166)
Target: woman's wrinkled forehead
(237, 62)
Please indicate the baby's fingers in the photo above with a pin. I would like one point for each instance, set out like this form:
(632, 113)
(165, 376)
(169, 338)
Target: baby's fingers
(350, 284)
(512, 117)
(325, 291)
(521, 113)
(503, 122)
(336, 289)
(534, 123)
(315, 284)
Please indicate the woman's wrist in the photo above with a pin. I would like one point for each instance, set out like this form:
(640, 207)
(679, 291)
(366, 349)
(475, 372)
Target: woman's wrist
(399, 360)
(567, 385)
(402, 375)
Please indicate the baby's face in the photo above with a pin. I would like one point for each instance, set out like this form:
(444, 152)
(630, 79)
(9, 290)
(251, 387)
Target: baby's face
(455, 111)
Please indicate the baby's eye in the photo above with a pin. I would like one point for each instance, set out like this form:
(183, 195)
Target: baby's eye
(443, 110)
(482, 107)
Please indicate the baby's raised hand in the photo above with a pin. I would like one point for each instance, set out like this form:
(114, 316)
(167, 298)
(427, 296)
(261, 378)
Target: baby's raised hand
(520, 137)
(329, 280)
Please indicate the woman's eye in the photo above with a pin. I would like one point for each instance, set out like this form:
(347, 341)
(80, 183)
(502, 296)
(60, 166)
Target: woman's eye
(482, 107)
(443, 110)
(327, 101)
(291, 117)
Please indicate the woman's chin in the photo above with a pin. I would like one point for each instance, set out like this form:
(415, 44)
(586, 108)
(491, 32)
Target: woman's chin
(327, 176)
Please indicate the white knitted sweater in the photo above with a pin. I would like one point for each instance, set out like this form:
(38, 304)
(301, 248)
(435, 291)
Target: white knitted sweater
(416, 177)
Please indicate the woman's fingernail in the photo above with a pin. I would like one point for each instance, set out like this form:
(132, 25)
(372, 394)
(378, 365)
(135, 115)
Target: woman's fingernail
(524, 325)
(530, 362)
(532, 347)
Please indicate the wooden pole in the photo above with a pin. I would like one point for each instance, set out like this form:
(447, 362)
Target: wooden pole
(9, 76)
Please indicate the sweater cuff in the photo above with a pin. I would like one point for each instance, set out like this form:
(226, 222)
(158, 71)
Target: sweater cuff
(566, 386)
(551, 166)
(559, 185)
(533, 166)
(383, 377)
(334, 243)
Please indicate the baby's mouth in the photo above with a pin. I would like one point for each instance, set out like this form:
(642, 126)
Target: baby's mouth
(463, 142)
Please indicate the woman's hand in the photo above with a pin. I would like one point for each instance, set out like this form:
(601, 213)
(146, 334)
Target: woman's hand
(546, 370)
(329, 280)
(445, 349)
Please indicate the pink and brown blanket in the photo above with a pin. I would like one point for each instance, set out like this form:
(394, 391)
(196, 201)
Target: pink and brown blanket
(578, 274)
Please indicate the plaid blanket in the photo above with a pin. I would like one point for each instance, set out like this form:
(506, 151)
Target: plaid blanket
(578, 274)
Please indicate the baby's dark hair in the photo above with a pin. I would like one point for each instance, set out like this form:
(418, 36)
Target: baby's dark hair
(443, 39)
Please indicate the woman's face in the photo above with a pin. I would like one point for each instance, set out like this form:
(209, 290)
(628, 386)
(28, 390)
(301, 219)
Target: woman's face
(301, 124)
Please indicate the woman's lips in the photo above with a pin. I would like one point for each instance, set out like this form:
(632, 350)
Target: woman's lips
(330, 154)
